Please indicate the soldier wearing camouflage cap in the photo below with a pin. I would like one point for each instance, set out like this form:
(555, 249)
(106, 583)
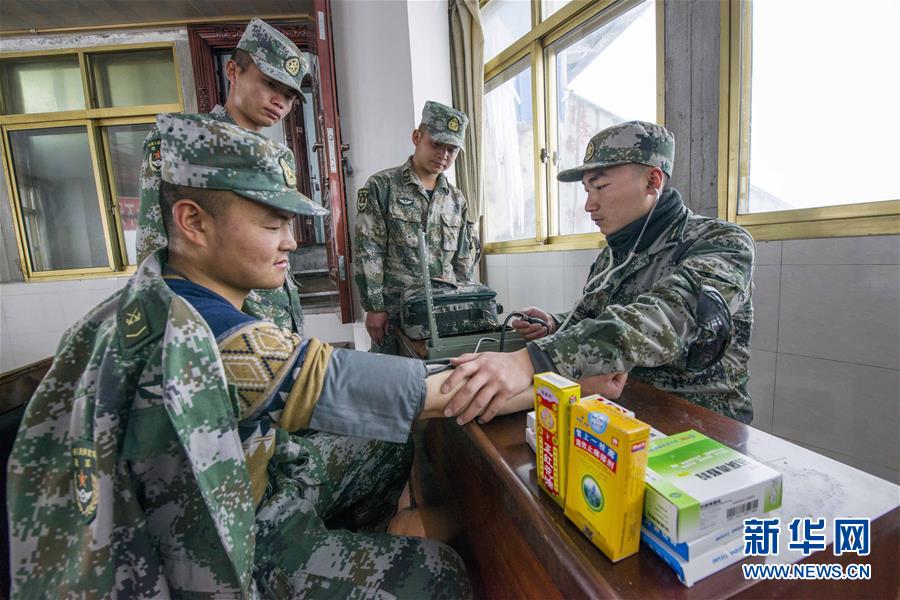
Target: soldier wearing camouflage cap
(156, 460)
(666, 302)
(265, 75)
(394, 205)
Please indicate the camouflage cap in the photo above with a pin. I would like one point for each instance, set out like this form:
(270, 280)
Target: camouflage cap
(199, 151)
(445, 124)
(630, 142)
(274, 54)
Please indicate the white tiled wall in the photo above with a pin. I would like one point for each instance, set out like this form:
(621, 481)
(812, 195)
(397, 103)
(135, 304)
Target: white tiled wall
(33, 316)
(825, 371)
(825, 366)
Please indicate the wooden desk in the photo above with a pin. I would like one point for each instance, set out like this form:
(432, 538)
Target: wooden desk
(517, 542)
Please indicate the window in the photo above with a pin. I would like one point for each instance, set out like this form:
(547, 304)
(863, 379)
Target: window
(73, 124)
(810, 142)
(578, 68)
(509, 155)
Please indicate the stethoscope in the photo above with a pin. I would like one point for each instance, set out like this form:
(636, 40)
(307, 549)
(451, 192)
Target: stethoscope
(610, 271)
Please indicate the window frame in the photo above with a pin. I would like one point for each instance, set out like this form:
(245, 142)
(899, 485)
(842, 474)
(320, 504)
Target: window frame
(847, 220)
(94, 120)
(537, 44)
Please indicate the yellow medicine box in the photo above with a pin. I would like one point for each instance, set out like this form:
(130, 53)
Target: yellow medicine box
(553, 394)
(607, 462)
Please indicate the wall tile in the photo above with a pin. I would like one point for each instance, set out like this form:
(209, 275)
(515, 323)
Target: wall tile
(35, 347)
(536, 286)
(766, 290)
(496, 260)
(574, 278)
(498, 279)
(535, 259)
(581, 258)
(33, 313)
(7, 357)
(768, 253)
(762, 388)
(841, 407)
(870, 250)
(841, 312)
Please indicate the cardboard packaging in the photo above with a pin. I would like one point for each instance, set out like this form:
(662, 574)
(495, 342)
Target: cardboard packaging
(697, 486)
(703, 565)
(553, 394)
(607, 462)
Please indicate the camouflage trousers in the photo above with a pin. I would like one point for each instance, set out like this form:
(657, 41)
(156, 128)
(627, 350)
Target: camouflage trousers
(319, 483)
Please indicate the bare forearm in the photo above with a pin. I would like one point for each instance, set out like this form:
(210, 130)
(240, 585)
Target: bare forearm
(436, 401)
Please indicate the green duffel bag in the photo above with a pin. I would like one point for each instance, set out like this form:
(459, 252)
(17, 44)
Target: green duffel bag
(461, 307)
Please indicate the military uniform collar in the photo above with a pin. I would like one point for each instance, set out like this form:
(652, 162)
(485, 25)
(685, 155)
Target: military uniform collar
(220, 113)
(672, 237)
(675, 233)
(411, 179)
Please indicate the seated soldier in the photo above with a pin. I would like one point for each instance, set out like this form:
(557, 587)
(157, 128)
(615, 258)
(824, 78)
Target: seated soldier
(155, 457)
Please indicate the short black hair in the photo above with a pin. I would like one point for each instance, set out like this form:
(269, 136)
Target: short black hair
(242, 58)
(215, 202)
(642, 168)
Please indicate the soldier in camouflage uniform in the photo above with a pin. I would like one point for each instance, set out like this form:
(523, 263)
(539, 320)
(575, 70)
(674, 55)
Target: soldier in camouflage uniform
(266, 71)
(154, 459)
(393, 206)
(667, 302)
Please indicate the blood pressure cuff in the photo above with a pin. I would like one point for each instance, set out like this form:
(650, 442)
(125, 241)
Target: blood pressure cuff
(370, 395)
(714, 330)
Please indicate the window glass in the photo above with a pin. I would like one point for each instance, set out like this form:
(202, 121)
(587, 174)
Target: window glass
(37, 85)
(134, 78)
(509, 156)
(126, 144)
(503, 22)
(549, 7)
(824, 98)
(58, 199)
(604, 75)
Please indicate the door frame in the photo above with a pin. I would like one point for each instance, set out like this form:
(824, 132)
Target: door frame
(311, 34)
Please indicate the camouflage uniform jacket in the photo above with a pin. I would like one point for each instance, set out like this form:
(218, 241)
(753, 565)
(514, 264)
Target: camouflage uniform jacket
(279, 306)
(393, 207)
(644, 320)
(129, 475)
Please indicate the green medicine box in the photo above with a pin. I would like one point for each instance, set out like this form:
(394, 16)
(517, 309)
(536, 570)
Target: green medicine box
(695, 486)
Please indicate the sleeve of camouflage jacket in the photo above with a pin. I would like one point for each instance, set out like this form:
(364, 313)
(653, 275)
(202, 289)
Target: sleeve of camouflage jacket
(464, 259)
(371, 245)
(658, 327)
(307, 384)
(151, 235)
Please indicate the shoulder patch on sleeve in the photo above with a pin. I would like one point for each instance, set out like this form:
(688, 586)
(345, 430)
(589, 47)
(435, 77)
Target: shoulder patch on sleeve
(154, 155)
(362, 199)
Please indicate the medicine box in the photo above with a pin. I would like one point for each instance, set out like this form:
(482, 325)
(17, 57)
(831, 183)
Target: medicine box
(553, 394)
(697, 486)
(607, 460)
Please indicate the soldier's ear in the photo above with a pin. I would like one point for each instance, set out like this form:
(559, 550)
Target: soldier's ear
(189, 220)
(416, 136)
(655, 178)
(231, 70)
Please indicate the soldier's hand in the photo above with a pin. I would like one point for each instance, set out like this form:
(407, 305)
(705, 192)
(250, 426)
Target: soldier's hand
(377, 326)
(532, 331)
(609, 386)
(493, 378)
